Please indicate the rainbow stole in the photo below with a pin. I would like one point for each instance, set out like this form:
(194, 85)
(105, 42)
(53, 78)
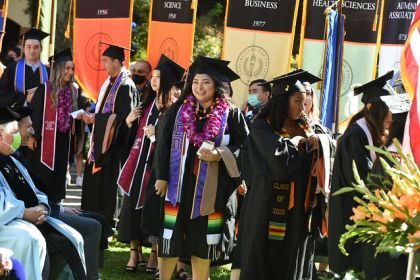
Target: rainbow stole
(20, 75)
(179, 148)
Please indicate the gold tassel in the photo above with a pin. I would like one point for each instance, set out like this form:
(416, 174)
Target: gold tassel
(194, 4)
(375, 21)
(67, 32)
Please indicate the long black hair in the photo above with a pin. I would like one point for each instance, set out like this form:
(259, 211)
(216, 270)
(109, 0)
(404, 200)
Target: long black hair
(276, 110)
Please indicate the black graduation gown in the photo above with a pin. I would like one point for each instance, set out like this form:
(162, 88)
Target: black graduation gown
(55, 180)
(32, 79)
(351, 147)
(189, 236)
(129, 225)
(100, 189)
(264, 171)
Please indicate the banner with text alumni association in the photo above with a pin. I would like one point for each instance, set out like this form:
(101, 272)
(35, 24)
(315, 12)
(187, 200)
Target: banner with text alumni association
(258, 40)
(98, 21)
(360, 50)
(397, 19)
(171, 31)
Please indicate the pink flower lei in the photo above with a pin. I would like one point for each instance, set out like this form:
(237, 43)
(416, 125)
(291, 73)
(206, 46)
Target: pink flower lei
(213, 125)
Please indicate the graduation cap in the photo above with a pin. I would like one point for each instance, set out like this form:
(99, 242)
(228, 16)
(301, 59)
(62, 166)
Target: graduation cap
(171, 71)
(373, 90)
(292, 82)
(35, 34)
(398, 103)
(10, 98)
(115, 51)
(64, 55)
(8, 115)
(214, 67)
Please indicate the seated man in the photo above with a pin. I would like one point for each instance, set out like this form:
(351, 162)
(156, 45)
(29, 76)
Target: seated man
(20, 236)
(15, 179)
(89, 228)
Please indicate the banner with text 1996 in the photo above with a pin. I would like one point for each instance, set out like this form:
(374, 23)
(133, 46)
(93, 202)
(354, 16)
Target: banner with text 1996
(359, 46)
(171, 31)
(258, 40)
(97, 21)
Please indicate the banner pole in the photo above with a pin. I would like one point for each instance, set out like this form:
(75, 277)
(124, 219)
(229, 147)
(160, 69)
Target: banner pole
(38, 15)
(378, 39)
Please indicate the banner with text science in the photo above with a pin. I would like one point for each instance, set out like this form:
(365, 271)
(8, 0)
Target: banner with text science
(359, 52)
(397, 19)
(97, 21)
(258, 41)
(171, 31)
(3, 17)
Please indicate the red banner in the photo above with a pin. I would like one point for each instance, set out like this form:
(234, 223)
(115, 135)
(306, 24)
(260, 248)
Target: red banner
(98, 21)
(171, 31)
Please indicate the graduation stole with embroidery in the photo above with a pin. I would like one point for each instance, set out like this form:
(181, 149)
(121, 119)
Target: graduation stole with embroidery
(282, 200)
(49, 129)
(20, 75)
(108, 108)
(127, 174)
(179, 148)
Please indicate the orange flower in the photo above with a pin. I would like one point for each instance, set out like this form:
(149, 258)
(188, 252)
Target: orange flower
(411, 204)
(359, 213)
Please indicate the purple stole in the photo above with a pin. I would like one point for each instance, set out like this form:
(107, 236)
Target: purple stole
(108, 108)
(49, 128)
(20, 75)
(127, 174)
(178, 154)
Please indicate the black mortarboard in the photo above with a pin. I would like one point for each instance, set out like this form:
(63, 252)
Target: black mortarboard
(373, 90)
(35, 34)
(22, 111)
(304, 76)
(170, 70)
(291, 82)
(8, 115)
(10, 98)
(64, 55)
(115, 51)
(214, 67)
(397, 103)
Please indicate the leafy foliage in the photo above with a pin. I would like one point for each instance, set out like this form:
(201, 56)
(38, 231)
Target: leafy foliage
(388, 216)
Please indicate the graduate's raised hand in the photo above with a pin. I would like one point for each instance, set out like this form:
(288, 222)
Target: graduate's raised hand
(134, 115)
(298, 140)
(30, 94)
(160, 187)
(312, 142)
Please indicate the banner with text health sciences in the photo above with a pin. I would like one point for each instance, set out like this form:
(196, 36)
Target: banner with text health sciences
(171, 31)
(359, 46)
(258, 40)
(98, 21)
(397, 19)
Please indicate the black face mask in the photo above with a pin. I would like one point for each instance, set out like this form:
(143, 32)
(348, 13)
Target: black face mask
(138, 79)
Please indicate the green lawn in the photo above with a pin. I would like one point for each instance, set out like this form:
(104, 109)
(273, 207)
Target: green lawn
(116, 258)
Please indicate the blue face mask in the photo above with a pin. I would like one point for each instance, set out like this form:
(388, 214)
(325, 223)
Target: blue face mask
(253, 100)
